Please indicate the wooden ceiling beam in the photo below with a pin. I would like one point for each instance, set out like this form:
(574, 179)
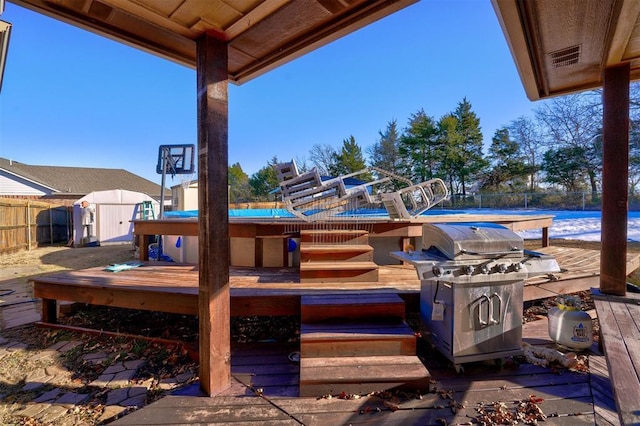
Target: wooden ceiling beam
(252, 18)
(140, 12)
(623, 22)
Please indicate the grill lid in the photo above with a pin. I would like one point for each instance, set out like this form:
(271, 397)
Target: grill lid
(472, 242)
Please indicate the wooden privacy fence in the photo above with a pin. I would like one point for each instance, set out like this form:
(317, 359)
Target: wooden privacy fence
(26, 224)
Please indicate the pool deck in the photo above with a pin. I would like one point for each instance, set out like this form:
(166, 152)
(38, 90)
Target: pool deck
(171, 287)
(402, 231)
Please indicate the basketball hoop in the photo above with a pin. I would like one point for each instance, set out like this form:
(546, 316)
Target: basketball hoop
(187, 179)
(175, 160)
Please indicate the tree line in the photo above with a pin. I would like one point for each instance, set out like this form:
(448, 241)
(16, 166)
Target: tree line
(558, 148)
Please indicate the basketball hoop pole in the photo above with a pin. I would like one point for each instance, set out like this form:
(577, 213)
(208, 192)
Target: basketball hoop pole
(165, 154)
(180, 160)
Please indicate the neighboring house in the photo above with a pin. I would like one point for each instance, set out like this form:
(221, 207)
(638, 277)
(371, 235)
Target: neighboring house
(67, 184)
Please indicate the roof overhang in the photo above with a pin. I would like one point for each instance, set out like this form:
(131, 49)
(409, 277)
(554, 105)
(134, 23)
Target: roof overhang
(563, 46)
(261, 35)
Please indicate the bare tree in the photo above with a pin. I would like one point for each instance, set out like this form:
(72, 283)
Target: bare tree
(575, 121)
(322, 157)
(527, 134)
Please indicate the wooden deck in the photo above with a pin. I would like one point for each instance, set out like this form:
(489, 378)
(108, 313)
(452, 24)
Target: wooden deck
(620, 333)
(169, 287)
(265, 383)
(264, 391)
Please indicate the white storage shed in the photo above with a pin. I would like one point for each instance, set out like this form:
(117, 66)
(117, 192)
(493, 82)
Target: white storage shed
(111, 215)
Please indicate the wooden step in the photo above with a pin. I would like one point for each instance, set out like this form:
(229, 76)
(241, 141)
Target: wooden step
(326, 272)
(336, 252)
(352, 307)
(333, 236)
(319, 340)
(362, 375)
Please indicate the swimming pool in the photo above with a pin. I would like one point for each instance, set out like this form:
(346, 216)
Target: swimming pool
(570, 224)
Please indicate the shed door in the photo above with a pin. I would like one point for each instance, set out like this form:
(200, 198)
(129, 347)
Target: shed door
(114, 222)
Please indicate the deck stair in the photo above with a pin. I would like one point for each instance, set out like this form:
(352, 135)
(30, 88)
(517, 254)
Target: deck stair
(336, 255)
(357, 344)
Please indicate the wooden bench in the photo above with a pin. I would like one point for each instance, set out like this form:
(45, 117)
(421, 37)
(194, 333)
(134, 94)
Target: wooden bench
(619, 318)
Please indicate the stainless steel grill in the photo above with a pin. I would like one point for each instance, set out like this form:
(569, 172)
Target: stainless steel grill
(472, 280)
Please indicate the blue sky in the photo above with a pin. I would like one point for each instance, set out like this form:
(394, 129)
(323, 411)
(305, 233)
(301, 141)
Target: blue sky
(72, 98)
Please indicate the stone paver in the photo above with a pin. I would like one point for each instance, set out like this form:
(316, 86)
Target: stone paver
(70, 399)
(56, 346)
(122, 378)
(110, 413)
(168, 383)
(102, 381)
(48, 396)
(184, 377)
(32, 410)
(133, 364)
(69, 346)
(114, 369)
(117, 395)
(53, 412)
(54, 404)
(95, 357)
(16, 346)
(36, 375)
(136, 401)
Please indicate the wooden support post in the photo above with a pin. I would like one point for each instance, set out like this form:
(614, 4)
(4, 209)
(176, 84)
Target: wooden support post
(50, 311)
(213, 204)
(615, 173)
(545, 236)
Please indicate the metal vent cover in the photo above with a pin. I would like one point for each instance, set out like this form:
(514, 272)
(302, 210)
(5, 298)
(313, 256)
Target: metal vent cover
(565, 57)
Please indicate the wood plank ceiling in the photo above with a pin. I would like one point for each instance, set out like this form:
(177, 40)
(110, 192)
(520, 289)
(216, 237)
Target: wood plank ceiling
(261, 34)
(563, 46)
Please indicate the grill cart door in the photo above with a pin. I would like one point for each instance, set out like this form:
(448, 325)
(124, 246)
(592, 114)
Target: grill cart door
(478, 322)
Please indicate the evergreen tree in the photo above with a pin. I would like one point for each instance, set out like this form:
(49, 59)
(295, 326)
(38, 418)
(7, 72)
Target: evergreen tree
(563, 167)
(449, 141)
(265, 180)
(239, 188)
(472, 161)
(384, 153)
(419, 150)
(508, 168)
(349, 159)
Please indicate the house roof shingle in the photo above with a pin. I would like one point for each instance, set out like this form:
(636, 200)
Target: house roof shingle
(80, 181)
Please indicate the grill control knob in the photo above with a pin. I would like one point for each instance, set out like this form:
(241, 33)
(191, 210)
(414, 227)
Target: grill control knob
(438, 271)
(502, 268)
(468, 269)
(516, 267)
(484, 269)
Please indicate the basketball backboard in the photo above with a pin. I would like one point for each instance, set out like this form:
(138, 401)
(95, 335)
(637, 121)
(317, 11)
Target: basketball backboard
(176, 159)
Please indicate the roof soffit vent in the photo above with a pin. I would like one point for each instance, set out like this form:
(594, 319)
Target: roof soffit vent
(565, 57)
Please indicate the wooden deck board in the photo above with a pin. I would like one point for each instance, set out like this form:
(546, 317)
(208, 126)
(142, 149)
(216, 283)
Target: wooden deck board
(277, 291)
(620, 331)
(567, 397)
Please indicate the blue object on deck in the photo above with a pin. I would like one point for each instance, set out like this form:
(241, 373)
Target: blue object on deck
(117, 267)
